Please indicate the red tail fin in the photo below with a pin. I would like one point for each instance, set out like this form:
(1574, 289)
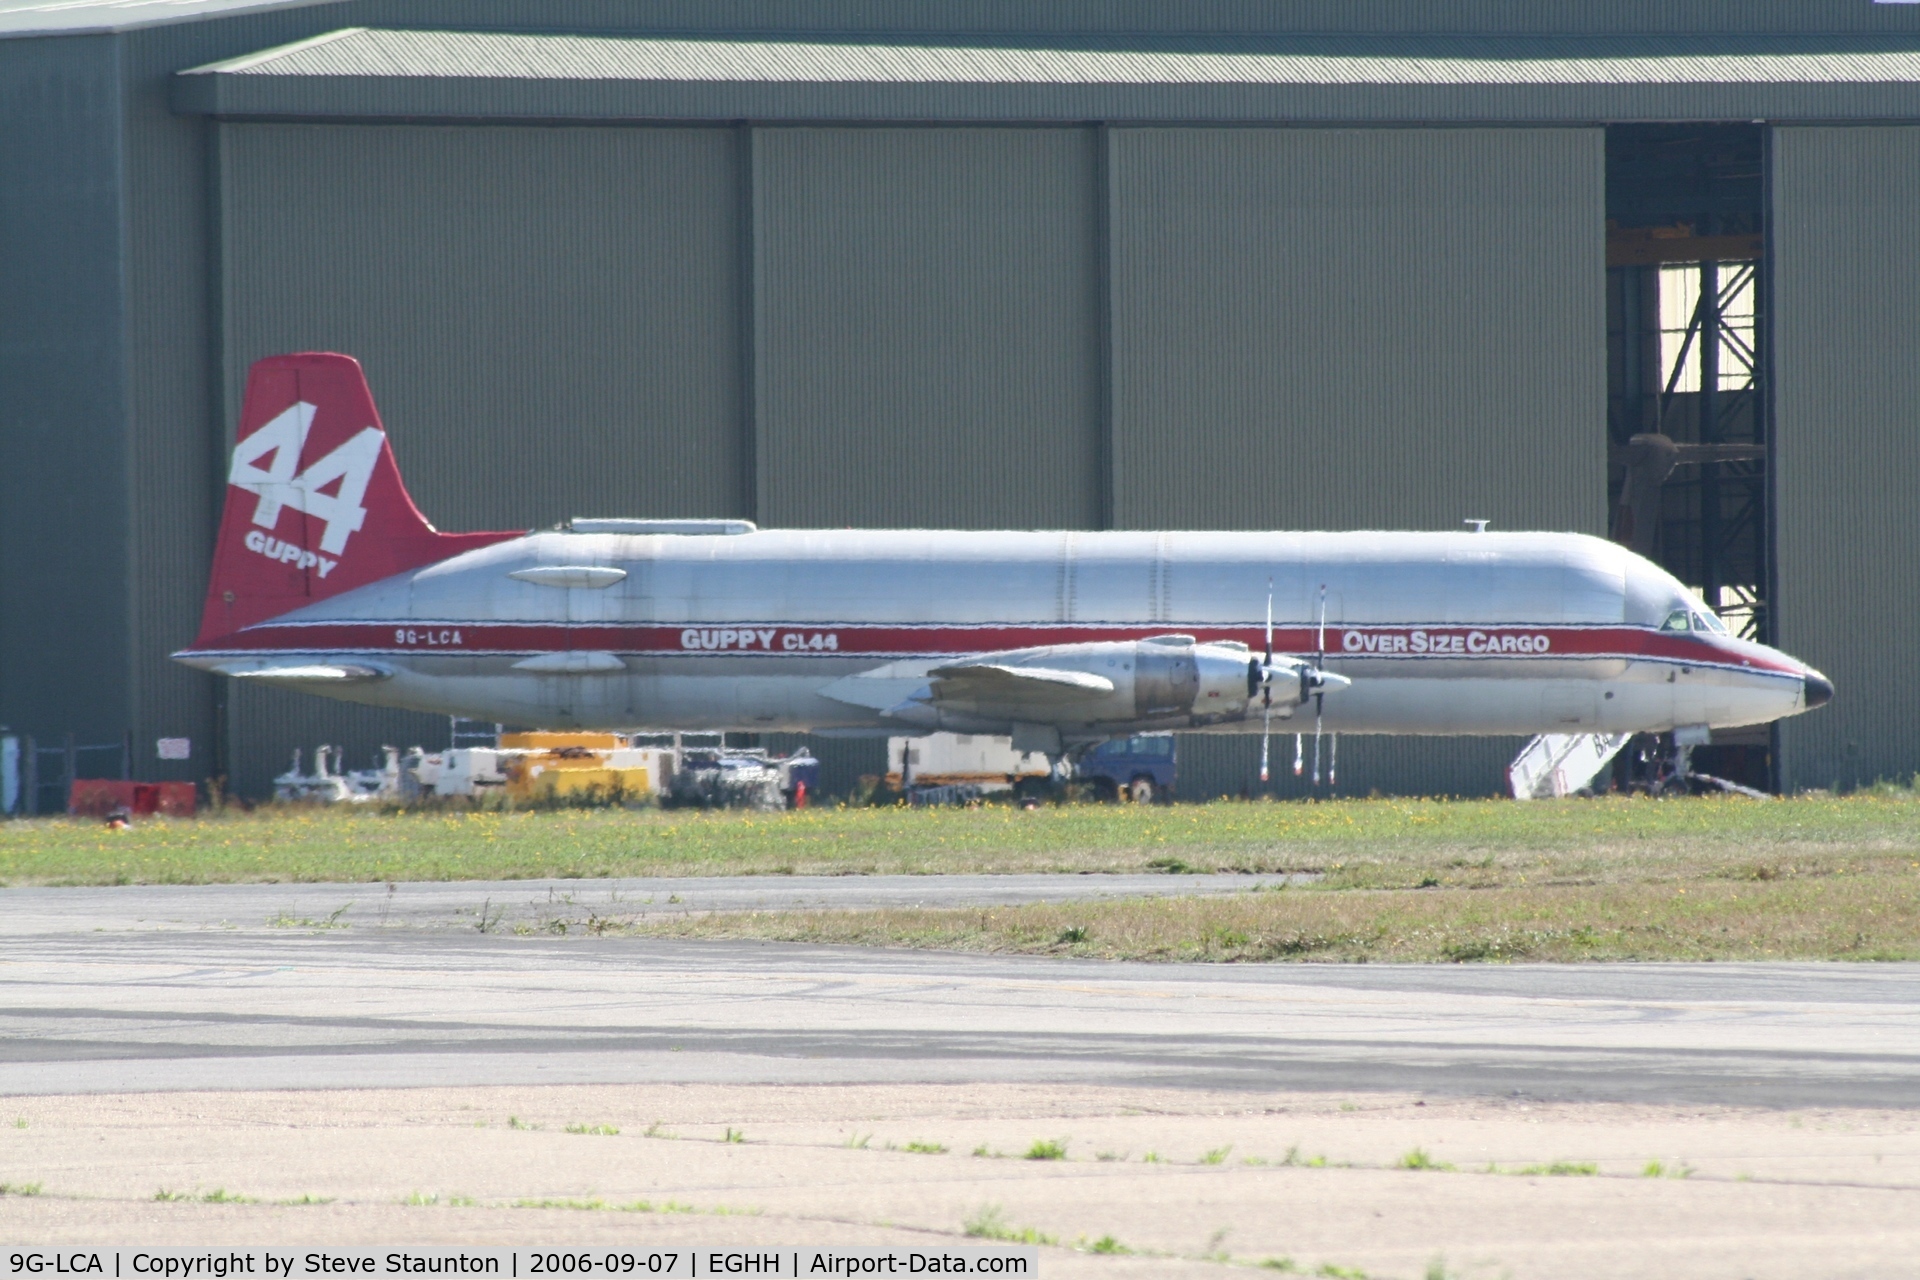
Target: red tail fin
(315, 504)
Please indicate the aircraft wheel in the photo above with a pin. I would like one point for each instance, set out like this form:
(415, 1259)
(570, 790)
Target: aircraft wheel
(1029, 793)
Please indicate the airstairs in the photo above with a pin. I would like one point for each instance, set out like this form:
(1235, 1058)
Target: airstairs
(1559, 764)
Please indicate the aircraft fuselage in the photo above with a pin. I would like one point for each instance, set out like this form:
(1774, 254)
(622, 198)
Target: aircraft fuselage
(838, 630)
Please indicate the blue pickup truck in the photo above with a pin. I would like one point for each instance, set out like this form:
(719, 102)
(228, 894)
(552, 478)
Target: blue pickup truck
(1140, 768)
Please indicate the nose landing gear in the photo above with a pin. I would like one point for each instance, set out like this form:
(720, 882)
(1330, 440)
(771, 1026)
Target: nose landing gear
(1655, 764)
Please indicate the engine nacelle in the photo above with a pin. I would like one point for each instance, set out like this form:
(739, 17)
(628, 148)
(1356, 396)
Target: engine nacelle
(1162, 681)
(1224, 692)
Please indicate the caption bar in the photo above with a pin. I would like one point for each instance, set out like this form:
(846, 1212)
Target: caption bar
(516, 1264)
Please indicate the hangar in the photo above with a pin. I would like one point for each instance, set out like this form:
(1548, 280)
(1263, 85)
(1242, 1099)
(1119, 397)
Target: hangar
(973, 263)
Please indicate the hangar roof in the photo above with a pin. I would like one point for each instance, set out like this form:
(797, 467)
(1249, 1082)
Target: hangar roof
(364, 72)
(53, 17)
(861, 17)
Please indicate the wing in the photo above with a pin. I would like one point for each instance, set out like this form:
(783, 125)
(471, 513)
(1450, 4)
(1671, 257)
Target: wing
(910, 690)
(1000, 683)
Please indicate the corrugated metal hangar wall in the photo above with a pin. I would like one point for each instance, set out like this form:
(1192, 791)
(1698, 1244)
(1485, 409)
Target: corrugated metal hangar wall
(1847, 293)
(900, 327)
(1368, 292)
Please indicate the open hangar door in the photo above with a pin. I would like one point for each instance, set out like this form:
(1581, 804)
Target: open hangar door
(1351, 329)
(1846, 352)
(549, 318)
(1689, 477)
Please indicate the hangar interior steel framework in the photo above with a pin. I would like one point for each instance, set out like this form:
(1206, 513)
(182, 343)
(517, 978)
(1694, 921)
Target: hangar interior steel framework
(1641, 268)
(1687, 363)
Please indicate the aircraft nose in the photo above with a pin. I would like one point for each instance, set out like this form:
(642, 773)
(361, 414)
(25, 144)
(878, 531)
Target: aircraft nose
(1819, 689)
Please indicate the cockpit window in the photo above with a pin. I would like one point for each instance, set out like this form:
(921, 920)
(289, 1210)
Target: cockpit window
(1678, 620)
(1709, 622)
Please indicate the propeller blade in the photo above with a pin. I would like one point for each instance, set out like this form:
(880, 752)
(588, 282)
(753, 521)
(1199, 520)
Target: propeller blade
(1333, 759)
(1269, 661)
(1299, 753)
(1320, 687)
(1320, 645)
(1318, 699)
(1266, 729)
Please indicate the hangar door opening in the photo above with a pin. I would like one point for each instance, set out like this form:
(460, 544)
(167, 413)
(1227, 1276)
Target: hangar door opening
(1688, 478)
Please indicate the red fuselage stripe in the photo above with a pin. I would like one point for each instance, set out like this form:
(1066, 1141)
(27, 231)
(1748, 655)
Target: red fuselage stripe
(867, 640)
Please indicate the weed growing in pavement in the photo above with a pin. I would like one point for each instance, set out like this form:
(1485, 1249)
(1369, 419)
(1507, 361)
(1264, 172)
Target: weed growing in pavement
(423, 1199)
(1110, 1157)
(635, 1206)
(165, 1195)
(857, 1141)
(599, 1130)
(926, 1148)
(983, 1153)
(220, 1195)
(1558, 1169)
(306, 1199)
(1218, 1155)
(657, 1130)
(1437, 1269)
(989, 1223)
(1419, 1159)
(735, 1135)
(1279, 1264)
(287, 920)
(1107, 1244)
(23, 1189)
(19, 1122)
(1333, 1272)
(1655, 1169)
(1046, 1149)
(515, 1122)
(1152, 1157)
(1074, 933)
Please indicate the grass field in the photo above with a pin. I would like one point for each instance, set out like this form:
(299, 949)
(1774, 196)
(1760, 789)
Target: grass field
(1815, 876)
(1836, 917)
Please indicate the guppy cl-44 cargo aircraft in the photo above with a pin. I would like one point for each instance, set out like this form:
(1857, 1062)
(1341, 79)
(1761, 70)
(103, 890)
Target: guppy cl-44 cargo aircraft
(327, 579)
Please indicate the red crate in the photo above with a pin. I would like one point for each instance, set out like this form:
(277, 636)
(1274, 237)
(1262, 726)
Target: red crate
(103, 797)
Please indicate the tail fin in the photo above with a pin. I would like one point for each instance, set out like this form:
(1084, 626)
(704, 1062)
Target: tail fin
(315, 504)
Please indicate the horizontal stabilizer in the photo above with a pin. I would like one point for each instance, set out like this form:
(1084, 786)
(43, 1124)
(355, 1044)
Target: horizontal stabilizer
(269, 671)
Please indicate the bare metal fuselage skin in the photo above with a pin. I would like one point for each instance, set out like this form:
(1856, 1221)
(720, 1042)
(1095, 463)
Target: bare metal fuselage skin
(836, 630)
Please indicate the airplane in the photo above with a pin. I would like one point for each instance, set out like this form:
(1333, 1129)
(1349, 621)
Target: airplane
(327, 579)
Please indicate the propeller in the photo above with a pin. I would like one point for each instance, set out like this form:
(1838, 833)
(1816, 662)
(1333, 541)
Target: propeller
(1314, 683)
(1319, 692)
(1266, 688)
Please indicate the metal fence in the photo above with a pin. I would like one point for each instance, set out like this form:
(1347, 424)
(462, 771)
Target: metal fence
(36, 779)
